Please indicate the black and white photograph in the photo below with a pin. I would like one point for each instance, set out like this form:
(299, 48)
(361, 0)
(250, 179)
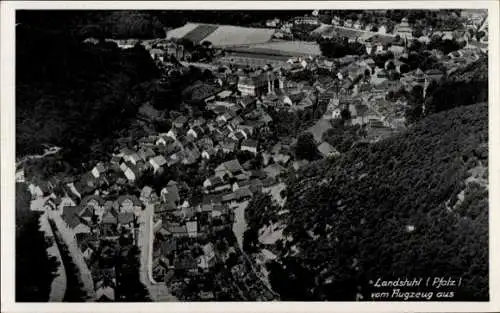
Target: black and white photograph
(251, 155)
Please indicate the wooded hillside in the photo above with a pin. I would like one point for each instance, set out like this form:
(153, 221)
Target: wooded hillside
(415, 205)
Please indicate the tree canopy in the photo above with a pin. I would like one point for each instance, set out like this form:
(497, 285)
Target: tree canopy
(75, 95)
(391, 209)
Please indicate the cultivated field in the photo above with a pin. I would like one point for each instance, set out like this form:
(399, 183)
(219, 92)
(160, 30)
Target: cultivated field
(200, 32)
(226, 35)
(292, 48)
(181, 31)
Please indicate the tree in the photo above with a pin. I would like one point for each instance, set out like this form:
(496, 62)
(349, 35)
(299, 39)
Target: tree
(306, 147)
(345, 114)
(480, 35)
(390, 66)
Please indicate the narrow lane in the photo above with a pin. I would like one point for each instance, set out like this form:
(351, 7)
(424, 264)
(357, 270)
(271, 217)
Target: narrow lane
(158, 291)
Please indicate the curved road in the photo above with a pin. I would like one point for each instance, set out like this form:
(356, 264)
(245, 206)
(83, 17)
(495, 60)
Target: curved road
(50, 151)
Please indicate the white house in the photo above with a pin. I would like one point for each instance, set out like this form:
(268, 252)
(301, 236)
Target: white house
(207, 260)
(192, 132)
(20, 176)
(172, 134)
(249, 145)
(123, 167)
(98, 170)
(336, 113)
(382, 29)
(157, 162)
(335, 20)
(35, 190)
(133, 158)
(192, 229)
(129, 173)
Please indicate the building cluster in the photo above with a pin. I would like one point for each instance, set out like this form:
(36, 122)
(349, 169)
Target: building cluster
(101, 208)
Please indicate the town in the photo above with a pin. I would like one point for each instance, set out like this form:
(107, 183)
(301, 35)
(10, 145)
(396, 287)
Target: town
(266, 102)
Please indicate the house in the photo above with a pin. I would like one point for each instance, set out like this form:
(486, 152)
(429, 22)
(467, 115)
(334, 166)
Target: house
(157, 162)
(73, 221)
(35, 190)
(404, 30)
(146, 153)
(134, 158)
(336, 113)
(250, 145)
(247, 101)
(207, 259)
(98, 170)
(131, 173)
(433, 75)
(180, 121)
(86, 214)
(126, 152)
(327, 150)
(126, 220)
(170, 194)
(232, 167)
(185, 262)
(128, 203)
(147, 194)
(382, 29)
(239, 195)
(194, 132)
(207, 154)
(399, 66)
(213, 182)
(109, 224)
(105, 291)
(273, 170)
(164, 140)
(228, 146)
(192, 229)
(176, 230)
(115, 160)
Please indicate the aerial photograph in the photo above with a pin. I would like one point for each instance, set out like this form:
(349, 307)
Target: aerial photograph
(251, 155)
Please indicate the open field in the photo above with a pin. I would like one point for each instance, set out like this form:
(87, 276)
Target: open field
(200, 32)
(181, 31)
(292, 48)
(226, 35)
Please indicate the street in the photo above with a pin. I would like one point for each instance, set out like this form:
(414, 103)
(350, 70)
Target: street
(158, 291)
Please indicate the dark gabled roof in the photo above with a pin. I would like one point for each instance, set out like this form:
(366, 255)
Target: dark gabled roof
(185, 261)
(86, 212)
(70, 216)
(132, 198)
(172, 193)
(89, 198)
(250, 143)
(168, 246)
(212, 199)
(125, 217)
(108, 218)
(231, 166)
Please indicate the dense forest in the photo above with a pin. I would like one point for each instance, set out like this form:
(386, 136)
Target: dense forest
(75, 95)
(395, 208)
(35, 269)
